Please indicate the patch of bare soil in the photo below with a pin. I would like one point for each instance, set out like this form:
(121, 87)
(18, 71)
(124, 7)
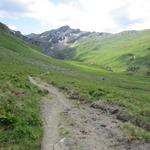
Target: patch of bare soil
(68, 125)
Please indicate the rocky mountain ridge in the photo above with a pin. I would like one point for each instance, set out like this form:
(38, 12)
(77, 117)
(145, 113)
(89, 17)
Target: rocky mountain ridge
(6, 29)
(58, 42)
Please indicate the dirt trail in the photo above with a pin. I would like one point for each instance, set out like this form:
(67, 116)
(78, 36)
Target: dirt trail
(69, 126)
(52, 105)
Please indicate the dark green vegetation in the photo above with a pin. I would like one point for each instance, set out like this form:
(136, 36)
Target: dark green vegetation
(20, 122)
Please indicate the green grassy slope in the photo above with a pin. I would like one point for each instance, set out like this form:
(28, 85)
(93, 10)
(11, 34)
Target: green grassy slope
(129, 50)
(20, 122)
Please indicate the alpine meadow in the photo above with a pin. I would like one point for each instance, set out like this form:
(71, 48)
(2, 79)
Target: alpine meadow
(68, 89)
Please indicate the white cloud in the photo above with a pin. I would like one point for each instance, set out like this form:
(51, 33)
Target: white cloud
(85, 14)
(92, 15)
(12, 27)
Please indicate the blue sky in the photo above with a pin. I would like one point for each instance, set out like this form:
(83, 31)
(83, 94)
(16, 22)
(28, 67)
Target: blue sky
(36, 16)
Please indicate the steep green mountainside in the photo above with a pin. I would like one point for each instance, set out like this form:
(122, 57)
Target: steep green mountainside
(17, 51)
(20, 119)
(125, 51)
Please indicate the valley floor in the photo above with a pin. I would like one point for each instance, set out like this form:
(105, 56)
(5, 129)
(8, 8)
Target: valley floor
(71, 126)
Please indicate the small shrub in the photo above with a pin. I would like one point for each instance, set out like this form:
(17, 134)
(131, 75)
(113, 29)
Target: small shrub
(7, 120)
(97, 93)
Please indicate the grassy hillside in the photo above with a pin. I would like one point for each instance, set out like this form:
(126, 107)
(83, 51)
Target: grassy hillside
(125, 51)
(20, 121)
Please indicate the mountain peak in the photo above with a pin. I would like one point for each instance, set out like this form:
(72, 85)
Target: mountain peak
(64, 28)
